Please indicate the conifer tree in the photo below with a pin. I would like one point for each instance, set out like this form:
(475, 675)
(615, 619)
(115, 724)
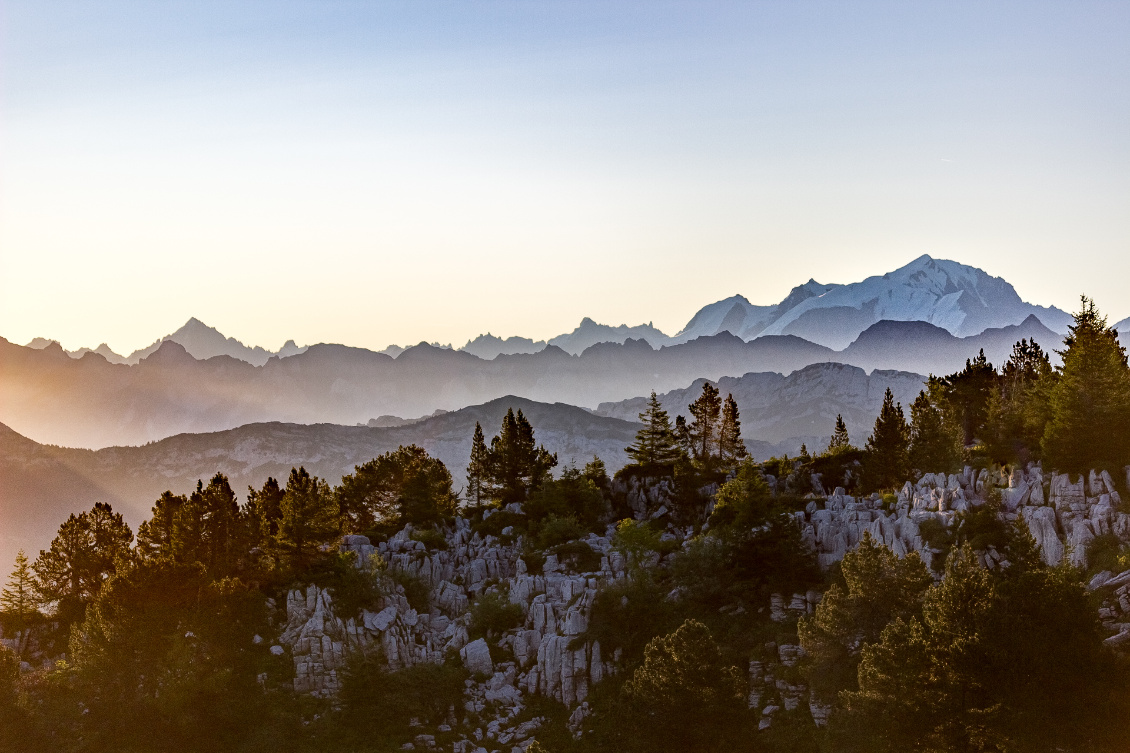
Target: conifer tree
(478, 469)
(655, 446)
(934, 447)
(967, 394)
(310, 518)
(1090, 402)
(264, 510)
(840, 439)
(704, 429)
(155, 536)
(1019, 410)
(18, 601)
(82, 556)
(517, 463)
(731, 448)
(886, 462)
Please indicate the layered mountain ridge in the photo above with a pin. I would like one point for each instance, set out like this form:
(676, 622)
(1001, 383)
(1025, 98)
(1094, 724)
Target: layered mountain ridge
(961, 299)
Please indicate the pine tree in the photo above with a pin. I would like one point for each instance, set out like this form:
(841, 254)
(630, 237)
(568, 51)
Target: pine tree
(155, 536)
(731, 448)
(18, 601)
(1090, 402)
(704, 429)
(839, 440)
(82, 556)
(264, 510)
(886, 463)
(310, 518)
(934, 447)
(655, 447)
(478, 469)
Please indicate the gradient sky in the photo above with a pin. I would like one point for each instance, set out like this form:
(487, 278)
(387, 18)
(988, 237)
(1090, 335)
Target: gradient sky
(372, 173)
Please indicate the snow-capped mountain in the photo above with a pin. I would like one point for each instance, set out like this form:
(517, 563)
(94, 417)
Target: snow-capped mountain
(961, 299)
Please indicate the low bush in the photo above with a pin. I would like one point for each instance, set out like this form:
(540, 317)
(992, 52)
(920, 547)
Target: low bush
(557, 530)
(578, 557)
(492, 614)
(431, 538)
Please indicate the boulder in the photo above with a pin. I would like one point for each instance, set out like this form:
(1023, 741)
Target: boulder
(476, 657)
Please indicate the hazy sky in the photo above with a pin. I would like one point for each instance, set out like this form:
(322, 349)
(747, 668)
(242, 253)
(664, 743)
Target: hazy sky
(372, 173)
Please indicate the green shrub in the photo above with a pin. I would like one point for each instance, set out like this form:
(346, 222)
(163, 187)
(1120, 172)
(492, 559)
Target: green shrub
(1106, 552)
(492, 614)
(558, 530)
(578, 557)
(493, 525)
(352, 588)
(430, 537)
(416, 589)
(378, 706)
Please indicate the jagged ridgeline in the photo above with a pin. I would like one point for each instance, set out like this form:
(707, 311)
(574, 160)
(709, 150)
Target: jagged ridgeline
(958, 579)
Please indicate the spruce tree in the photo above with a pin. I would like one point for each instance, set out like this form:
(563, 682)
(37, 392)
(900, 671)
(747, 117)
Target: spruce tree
(934, 447)
(731, 448)
(886, 463)
(655, 447)
(517, 463)
(839, 440)
(1090, 402)
(1019, 409)
(704, 429)
(478, 469)
(967, 394)
(18, 599)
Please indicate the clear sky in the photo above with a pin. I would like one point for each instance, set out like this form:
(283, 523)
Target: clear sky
(372, 173)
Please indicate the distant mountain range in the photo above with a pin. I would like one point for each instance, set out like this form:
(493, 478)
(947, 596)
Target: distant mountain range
(785, 411)
(960, 299)
(196, 337)
(89, 402)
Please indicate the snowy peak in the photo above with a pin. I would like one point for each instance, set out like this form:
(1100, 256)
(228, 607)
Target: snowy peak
(961, 299)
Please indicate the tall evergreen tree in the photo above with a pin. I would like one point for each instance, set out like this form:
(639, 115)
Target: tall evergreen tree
(478, 469)
(18, 602)
(840, 439)
(517, 463)
(706, 410)
(887, 463)
(731, 448)
(967, 394)
(310, 518)
(82, 556)
(1090, 402)
(1019, 409)
(264, 511)
(155, 536)
(655, 446)
(934, 447)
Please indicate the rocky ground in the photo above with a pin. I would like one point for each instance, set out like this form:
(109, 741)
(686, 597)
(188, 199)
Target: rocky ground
(546, 655)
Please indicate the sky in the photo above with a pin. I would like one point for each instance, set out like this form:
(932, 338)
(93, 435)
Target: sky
(375, 173)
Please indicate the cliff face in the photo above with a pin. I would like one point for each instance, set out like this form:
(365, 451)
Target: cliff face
(544, 656)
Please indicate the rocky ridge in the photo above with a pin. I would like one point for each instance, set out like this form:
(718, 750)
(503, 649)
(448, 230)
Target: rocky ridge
(542, 657)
